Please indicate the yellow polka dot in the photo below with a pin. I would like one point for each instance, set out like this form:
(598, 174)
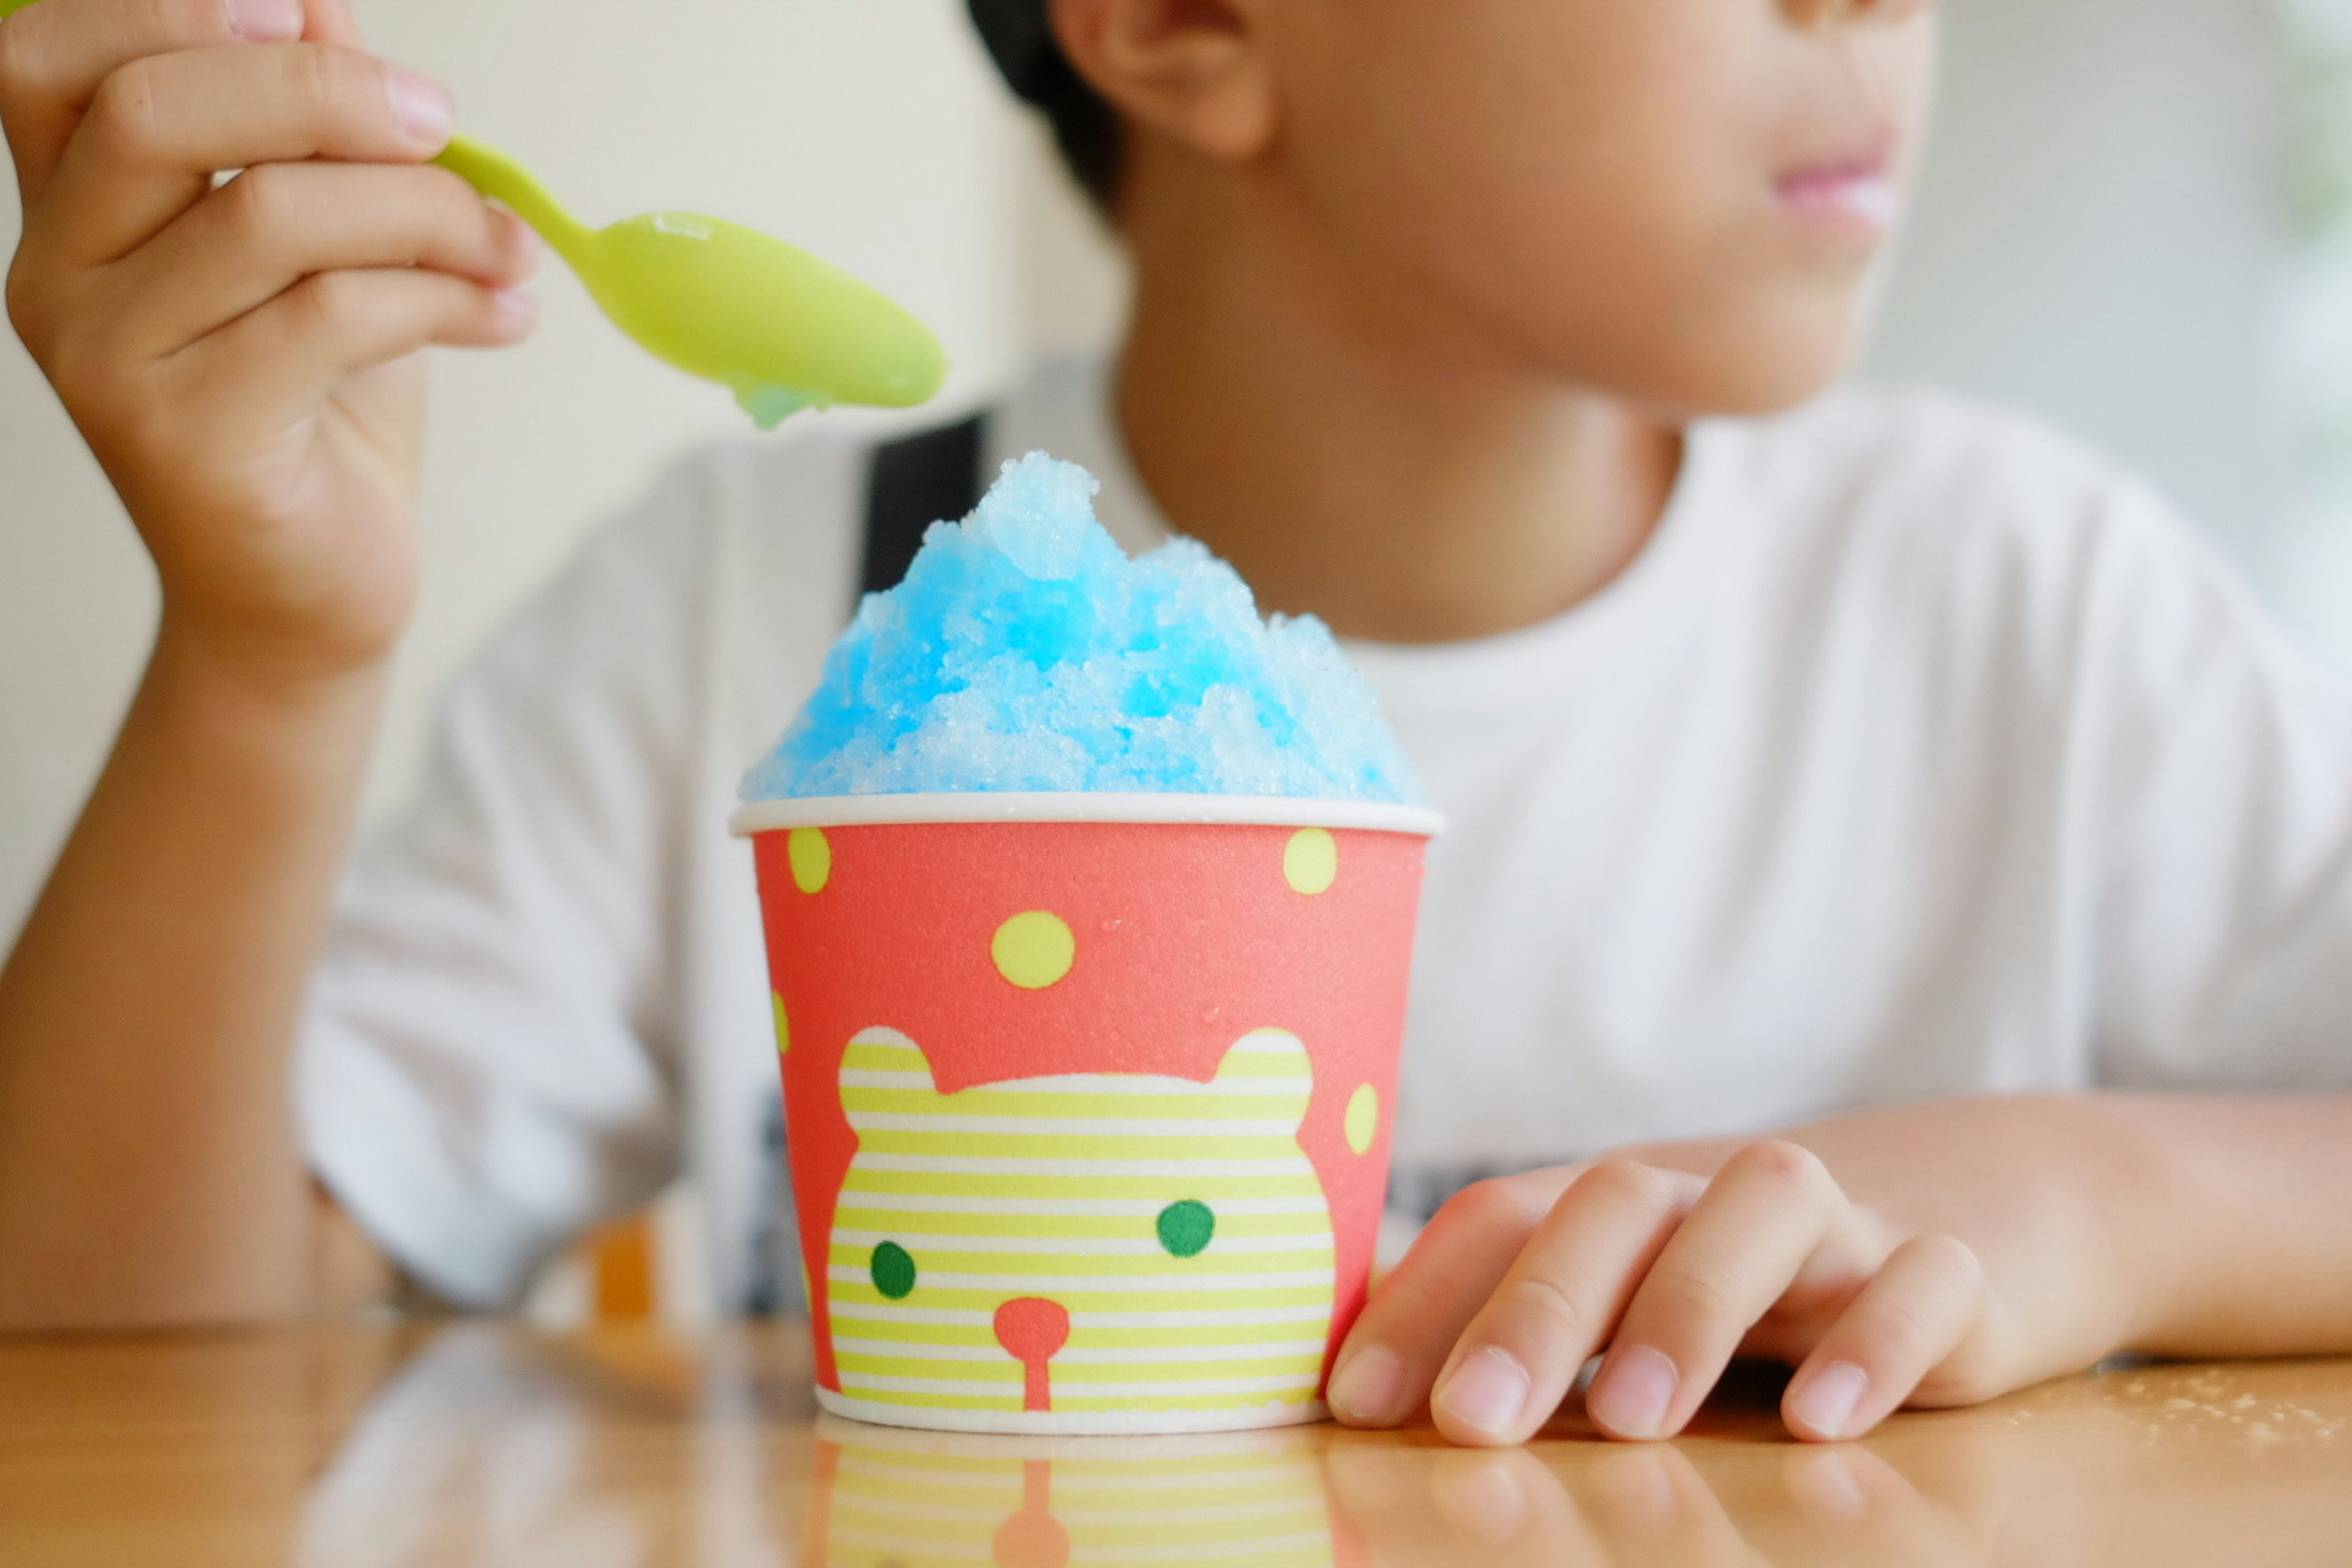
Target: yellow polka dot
(1310, 861)
(1034, 949)
(812, 858)
(1363, 1118)
(783, 1028)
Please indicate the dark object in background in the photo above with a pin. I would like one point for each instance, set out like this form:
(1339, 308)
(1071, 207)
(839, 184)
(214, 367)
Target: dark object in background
(1020, 38)
(915, 482)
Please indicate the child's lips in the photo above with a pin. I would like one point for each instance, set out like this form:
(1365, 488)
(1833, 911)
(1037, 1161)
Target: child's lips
(1857, 192)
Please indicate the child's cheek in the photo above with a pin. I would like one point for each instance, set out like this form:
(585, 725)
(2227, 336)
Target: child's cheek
(1597, 183)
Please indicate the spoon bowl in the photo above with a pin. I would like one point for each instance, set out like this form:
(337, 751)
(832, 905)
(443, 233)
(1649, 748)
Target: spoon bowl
(781, 328)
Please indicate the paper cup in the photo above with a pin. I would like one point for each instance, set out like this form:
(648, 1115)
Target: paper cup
(926, 1501)
(1087, 1096)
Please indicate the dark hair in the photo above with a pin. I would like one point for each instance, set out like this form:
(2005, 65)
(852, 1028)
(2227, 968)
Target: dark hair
(1019, 38)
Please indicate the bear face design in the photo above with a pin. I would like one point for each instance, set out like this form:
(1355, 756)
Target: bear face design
(1058, 1254)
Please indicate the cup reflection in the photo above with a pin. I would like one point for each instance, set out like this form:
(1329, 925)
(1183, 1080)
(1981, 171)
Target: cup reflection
(887, 1499)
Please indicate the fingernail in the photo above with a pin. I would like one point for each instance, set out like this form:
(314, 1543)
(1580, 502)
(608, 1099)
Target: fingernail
(518, 310)
(1368, 1386)
(265, 21)
(1630, 1395)
(1827, 1402)
(1488, 1391)
(524, 244)
(422, 105)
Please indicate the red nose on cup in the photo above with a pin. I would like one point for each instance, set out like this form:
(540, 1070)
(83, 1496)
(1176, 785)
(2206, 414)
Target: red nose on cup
(1033, 1329)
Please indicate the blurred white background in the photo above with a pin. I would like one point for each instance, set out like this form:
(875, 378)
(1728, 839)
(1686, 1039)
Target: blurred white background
(2103, 236)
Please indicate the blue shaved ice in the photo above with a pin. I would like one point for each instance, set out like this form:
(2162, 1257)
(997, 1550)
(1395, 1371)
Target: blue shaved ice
(1024, 651)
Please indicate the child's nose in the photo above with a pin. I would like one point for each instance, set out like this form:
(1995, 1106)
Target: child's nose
(1032, 1331)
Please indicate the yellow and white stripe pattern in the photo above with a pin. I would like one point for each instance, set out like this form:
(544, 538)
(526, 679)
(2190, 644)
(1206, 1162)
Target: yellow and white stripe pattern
(1260, 1505)
(1178, 1223)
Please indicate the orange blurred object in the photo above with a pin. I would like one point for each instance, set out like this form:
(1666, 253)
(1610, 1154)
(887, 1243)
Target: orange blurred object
(621, 1257)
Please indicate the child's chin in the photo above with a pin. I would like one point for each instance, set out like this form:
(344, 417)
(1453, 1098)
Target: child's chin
(1752, 375)
(1726, 353)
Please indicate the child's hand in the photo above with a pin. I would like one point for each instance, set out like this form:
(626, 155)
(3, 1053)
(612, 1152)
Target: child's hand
(1675, 1259)
(239, 357)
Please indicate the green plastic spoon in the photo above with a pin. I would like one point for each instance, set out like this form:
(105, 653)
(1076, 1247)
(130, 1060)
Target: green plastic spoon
(783, 329)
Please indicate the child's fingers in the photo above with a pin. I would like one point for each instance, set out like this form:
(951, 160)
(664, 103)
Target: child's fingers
(273, 226)
(1517, 1359)
(1920, 1308)
(1393, 1355)
(331, 22)
(1766, 1213)
(54, 55)
(292, 351)
(163, 125)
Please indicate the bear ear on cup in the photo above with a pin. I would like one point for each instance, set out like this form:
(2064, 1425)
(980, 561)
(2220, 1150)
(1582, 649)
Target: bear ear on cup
(877, 1061)
(1277, 1062)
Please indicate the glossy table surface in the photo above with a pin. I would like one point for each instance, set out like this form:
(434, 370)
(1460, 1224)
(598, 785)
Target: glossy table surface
(486, 1443)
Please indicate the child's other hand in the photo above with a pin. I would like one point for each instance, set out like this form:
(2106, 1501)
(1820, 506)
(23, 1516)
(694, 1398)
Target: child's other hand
(240, 358)
(1676, 1259)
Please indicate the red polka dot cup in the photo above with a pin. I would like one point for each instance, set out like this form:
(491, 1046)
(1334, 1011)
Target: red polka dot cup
(1087, 1096)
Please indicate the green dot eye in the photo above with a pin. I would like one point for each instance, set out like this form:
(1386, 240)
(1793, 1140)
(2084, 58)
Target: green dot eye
(1185, 1227)
(892, 1271)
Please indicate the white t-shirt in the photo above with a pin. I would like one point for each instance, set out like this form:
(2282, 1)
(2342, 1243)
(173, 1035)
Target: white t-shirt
(1919, 752)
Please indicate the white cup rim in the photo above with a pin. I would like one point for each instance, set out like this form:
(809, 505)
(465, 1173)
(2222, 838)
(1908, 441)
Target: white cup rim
(982, 805)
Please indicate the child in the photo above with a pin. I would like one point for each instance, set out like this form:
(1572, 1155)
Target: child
(1808, 769)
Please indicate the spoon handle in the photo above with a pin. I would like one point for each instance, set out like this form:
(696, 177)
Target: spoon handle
(497, 176)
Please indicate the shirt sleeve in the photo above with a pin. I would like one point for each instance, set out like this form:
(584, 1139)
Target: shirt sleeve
(485, 1068)
(2219, 807)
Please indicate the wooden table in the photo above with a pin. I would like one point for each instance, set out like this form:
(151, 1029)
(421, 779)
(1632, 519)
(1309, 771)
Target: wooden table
(486, 1443)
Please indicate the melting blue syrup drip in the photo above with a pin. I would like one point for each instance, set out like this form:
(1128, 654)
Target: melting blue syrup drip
(771, 406)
